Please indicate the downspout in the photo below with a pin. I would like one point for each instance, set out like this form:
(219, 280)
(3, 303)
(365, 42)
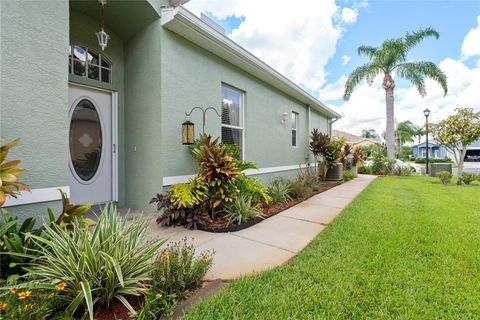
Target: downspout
(330, 122)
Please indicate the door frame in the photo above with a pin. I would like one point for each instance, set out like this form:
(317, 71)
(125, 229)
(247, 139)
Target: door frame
(114, 134)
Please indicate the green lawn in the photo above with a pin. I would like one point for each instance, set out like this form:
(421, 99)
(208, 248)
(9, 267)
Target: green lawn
(406, 248)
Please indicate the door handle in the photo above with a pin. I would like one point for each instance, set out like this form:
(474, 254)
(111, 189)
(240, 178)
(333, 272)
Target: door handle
(114, 148)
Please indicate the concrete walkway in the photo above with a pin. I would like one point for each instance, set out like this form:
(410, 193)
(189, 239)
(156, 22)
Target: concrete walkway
(273, 241)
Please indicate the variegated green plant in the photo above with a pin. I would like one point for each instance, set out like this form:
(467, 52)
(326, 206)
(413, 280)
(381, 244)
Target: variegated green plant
(190, 194)
(111, 261)
(9, 170)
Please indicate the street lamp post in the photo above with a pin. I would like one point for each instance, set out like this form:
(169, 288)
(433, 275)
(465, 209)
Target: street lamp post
(426, 112)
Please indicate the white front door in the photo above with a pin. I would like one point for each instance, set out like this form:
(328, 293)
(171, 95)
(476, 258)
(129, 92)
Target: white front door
(91, 145)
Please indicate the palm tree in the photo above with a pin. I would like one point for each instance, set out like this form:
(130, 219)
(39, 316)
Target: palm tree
(419, 132)
(391, 59)
(404, 133)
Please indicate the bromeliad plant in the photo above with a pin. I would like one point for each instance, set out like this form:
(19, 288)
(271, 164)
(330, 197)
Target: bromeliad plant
(9, 170)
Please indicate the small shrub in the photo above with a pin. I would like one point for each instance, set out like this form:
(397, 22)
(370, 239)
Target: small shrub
(218, 169)
(433, 160)
(299, 190)
(280, 190)
(445, 177)
(253, 188)
(109, 262)
(178, 271)
(156, 305)
(469, 177)
(182, 205)
(241, 210)
(347, 175)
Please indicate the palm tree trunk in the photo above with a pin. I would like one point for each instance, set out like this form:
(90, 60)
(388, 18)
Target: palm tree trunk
(389, 85)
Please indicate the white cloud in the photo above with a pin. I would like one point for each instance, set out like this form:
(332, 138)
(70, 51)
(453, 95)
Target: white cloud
(345, 59)
(366, 107)
(297, 40)
(333, 91)
(348, 16)
(471, 43)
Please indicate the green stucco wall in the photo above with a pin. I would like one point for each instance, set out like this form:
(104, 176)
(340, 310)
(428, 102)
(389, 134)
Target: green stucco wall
(193, 77)
(33, 95)
(143, 117)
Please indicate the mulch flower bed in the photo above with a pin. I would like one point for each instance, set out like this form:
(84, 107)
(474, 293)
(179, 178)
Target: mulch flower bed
(117, 310)
(222, 225)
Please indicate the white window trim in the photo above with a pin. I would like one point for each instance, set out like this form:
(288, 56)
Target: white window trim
(242, 116)
(101, 56)
(297, 116)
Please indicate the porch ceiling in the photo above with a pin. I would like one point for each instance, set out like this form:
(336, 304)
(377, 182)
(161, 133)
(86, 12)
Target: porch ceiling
(124, 17)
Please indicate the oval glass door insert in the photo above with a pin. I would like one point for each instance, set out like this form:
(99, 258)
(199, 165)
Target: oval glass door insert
(85, 140)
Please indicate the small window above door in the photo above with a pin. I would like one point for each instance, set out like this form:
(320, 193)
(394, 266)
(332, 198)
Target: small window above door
(87, 63)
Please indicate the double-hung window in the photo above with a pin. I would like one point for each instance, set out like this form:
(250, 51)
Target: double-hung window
(232, 117)
(294, 128)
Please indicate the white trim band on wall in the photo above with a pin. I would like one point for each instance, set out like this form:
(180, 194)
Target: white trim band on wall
(37, 196)
(168, 181)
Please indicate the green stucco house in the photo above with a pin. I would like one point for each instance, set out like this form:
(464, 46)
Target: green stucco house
(105, 125)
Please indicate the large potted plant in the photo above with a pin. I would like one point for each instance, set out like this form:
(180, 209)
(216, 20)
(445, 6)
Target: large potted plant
(318, 146)
(357, 157)
(331, 158)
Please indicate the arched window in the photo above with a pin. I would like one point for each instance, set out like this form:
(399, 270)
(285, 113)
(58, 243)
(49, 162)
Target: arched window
(86, 63)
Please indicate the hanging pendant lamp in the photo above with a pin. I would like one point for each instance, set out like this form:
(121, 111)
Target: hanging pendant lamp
(102, 36)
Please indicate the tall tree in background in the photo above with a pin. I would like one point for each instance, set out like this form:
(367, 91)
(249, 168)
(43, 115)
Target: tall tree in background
(388, 60)
(456, 133)
(370, 134)
(419, 132)
(404, 132)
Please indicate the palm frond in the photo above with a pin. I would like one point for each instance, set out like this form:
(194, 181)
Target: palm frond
(368, 51)
(365, 72)
(412, 39)
(420, 70)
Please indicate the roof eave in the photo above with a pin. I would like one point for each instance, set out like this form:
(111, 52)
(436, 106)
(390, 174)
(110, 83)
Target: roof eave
(191, 27)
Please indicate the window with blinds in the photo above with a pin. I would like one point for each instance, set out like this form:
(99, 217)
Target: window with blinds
(232, 117)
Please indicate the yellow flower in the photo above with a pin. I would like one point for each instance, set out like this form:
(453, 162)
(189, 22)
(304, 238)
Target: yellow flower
(14, 290)
(165, 254)
(146, 289)
(51, 295)
(28, 307)
(61, 286)
(3, 305)
(205, 255)
(158, 296)
(24, 294)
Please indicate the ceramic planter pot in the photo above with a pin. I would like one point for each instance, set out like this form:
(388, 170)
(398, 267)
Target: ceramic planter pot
(354, 170)
(335, 173)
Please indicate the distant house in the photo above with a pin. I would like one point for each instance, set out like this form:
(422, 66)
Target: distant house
(435, 150)
(355, 140)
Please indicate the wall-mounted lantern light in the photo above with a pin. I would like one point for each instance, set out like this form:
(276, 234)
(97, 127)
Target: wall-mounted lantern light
(284, 118)
(102, 36)
(188, 132)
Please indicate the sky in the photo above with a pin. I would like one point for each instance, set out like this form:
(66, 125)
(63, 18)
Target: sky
(314, 43)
